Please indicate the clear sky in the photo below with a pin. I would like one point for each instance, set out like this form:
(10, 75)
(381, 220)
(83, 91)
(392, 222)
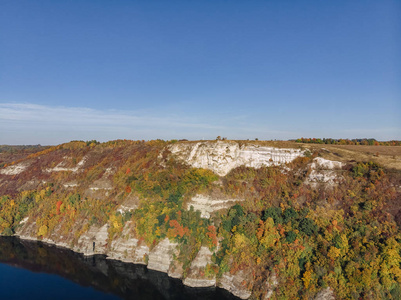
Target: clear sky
(82, 70)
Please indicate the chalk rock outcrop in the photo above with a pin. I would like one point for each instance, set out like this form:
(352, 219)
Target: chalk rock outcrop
(28, 230)
(94, 241)
(161, 256)
(233, 284)
(141, 252)
(206, 205)
(61, 166)
(129, 205)
(321, 163)
(325, 294)
(196, 277)
(176, 269)
(324, 171)
(14, 169)
(270, 284)
(104, 183)
(123, 247)
(223, 156)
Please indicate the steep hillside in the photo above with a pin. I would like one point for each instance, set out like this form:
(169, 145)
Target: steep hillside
(9, 154)
(252, 217)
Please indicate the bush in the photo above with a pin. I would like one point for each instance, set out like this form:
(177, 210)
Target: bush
(308, 227)
(8, 231)
(369, 170)
(275, 213)
(290, 236)
(290, 214)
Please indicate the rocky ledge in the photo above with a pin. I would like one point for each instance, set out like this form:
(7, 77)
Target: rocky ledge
(223, 156)
(129, 249)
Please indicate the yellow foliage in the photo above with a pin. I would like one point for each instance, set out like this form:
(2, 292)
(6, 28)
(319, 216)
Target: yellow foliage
(42, 230)
(307, 278)
(5, 224)
(116, 225)
(268, 234)
(240, 240)
(334, 253)
(344, 244)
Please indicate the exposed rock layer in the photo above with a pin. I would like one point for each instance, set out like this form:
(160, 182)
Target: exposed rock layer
(223, 156)
(198, 265)
(324, 171)
(206, 205)
(161, 256)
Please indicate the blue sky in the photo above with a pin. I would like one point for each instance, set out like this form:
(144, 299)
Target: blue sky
(198, 69)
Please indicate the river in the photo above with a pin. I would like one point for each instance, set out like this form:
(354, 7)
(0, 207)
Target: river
(33, 270)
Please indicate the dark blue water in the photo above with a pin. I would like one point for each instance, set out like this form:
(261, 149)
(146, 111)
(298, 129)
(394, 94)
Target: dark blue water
(18, 283)
(32, 270)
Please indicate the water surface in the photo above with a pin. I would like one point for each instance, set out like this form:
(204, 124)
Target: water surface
(33, 270)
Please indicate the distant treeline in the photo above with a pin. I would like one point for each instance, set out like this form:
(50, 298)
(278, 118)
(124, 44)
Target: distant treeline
(368, 142)
(19, 148)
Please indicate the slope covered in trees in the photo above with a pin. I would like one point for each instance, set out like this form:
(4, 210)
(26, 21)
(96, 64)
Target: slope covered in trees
(286, 233)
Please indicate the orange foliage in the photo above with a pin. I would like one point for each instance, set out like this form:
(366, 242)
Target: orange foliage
(177, 229)
(59, 203)
(212, 234)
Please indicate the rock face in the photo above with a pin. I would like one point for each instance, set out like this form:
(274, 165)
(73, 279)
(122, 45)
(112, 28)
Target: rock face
(324, 171)
(326, 164)
(26, 230)
(233, 284)
(141, 253)
(94, 241)
(14, 169)
(198, 265)
(223, 156)
(61, 166)
(104, 183)
(206, 205)
(123, 247)
(176, 270)
(270, 284)
(161, 256)
(325, 294)
(129, 204)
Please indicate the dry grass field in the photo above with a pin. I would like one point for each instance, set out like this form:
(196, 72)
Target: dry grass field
(387, 156)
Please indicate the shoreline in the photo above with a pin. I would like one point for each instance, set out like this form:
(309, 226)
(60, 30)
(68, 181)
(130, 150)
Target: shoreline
(113, 277)
(228, 287)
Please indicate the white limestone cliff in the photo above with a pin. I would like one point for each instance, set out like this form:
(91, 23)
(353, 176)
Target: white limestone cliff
(324, 171)
(14, 169)
(325, 294)
(206, 205)
(94, 241)
(223, 156)
(198, 265)
(233, 284)
(161, 255)
(123, 248)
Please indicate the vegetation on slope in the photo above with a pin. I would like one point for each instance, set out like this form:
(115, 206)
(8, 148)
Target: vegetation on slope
(342, 237)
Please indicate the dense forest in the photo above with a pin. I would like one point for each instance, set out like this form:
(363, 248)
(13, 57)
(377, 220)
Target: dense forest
(344, 236)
